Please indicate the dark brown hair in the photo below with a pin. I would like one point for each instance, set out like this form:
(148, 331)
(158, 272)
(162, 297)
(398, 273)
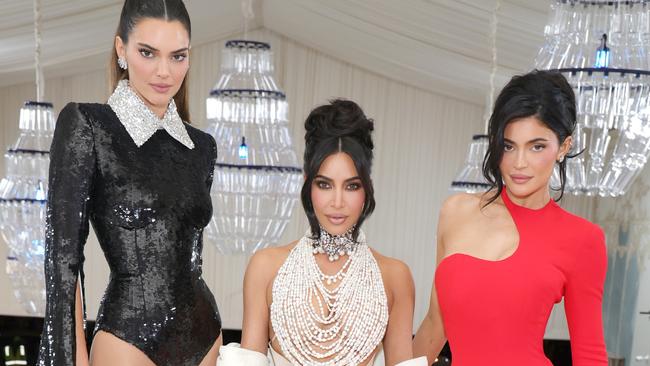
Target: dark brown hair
(340, 126)
(546, 95)
(132, 12)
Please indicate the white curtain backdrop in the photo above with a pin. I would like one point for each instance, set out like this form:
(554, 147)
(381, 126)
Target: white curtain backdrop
(421, 140)
(626, 222)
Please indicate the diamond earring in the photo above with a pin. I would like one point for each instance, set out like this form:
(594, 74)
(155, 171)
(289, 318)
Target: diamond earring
(121, 62)
(561, 159)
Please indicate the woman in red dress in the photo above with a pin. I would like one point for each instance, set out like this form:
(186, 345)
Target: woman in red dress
(505, 257)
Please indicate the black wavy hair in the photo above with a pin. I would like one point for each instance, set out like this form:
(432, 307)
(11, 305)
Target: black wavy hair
(340, 126)
(546, 95)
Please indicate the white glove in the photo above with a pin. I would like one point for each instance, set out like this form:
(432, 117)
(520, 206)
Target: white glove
(233, 355)
(420, 361)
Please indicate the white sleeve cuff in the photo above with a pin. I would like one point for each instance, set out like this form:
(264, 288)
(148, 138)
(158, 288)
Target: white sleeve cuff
(233, 355)
(420, 361)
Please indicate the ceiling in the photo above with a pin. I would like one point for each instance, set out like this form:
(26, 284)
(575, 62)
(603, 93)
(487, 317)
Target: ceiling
(437, 45)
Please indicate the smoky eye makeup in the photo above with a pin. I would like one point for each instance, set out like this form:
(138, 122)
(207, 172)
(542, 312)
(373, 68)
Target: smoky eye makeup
(322, 183)
(179, 57)
(145, 52)
(354, 186)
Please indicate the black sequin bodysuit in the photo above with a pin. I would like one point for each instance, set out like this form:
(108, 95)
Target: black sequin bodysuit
(148, 206)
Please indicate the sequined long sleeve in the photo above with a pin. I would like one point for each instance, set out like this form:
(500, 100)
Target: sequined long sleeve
(72, 167)
(212, 163)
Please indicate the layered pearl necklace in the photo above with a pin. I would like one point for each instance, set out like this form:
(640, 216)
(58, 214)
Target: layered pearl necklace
(322, 326)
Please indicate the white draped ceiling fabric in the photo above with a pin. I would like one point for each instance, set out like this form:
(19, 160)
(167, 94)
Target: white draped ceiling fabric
(436, 45)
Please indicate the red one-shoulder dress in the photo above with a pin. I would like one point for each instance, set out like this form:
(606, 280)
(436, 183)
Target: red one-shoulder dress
(495, 312)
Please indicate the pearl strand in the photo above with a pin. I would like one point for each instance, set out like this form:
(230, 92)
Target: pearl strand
(321, 326)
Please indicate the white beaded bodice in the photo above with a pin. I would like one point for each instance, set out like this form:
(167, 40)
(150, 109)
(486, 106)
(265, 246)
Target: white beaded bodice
(328, 320)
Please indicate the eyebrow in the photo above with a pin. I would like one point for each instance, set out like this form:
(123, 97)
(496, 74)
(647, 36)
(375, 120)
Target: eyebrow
(331, 180)
(155, 49)
(539, 139)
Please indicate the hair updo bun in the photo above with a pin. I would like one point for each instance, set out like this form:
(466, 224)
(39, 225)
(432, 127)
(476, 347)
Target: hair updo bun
(340, 126)
(340, 118)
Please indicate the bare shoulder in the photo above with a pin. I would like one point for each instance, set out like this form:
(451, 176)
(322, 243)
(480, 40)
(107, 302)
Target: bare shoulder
(458, 208)
(462, 203)
(394, 271)
(266, 262)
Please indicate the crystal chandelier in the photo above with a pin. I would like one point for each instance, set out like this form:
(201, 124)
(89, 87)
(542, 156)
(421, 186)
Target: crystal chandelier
(23, 194)
(257, 178)
(470, 179)
(602, 47)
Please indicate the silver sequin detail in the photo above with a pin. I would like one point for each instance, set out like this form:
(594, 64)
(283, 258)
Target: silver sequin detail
(140, 122)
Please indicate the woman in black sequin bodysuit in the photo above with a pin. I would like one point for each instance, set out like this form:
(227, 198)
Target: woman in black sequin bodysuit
(142, 177)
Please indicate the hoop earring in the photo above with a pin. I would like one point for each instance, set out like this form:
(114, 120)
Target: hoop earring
(121, 62)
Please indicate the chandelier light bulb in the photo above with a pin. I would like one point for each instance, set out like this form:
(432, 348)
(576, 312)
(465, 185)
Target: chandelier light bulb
(243, 149)
(602, 54)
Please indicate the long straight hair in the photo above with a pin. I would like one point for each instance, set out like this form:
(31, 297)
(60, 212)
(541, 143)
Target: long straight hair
(132, 12)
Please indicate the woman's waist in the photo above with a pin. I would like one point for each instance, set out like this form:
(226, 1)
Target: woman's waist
(171, 274)
(504, 348)
(151, 287)
(136, 312)
(133, 298)
(153, 258)
(278, 358)
(504, 358)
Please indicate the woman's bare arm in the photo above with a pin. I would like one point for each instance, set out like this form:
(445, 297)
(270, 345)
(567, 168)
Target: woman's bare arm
(80, 334)
(255, 328)
(397, 341)
(430, 337)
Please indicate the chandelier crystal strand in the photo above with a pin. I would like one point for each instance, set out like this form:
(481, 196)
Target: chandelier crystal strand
(23, 192)
(602, 48)
(257, 178)
(471, 179)
(326, 323)
(40, 81)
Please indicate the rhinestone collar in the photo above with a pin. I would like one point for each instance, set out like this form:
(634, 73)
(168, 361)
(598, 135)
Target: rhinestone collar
(140, 122)
(336, 246)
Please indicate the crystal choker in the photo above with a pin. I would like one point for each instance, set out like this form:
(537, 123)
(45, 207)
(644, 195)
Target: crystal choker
(335, 246)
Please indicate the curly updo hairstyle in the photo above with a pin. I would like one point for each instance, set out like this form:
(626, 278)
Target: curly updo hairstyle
(340, 126)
